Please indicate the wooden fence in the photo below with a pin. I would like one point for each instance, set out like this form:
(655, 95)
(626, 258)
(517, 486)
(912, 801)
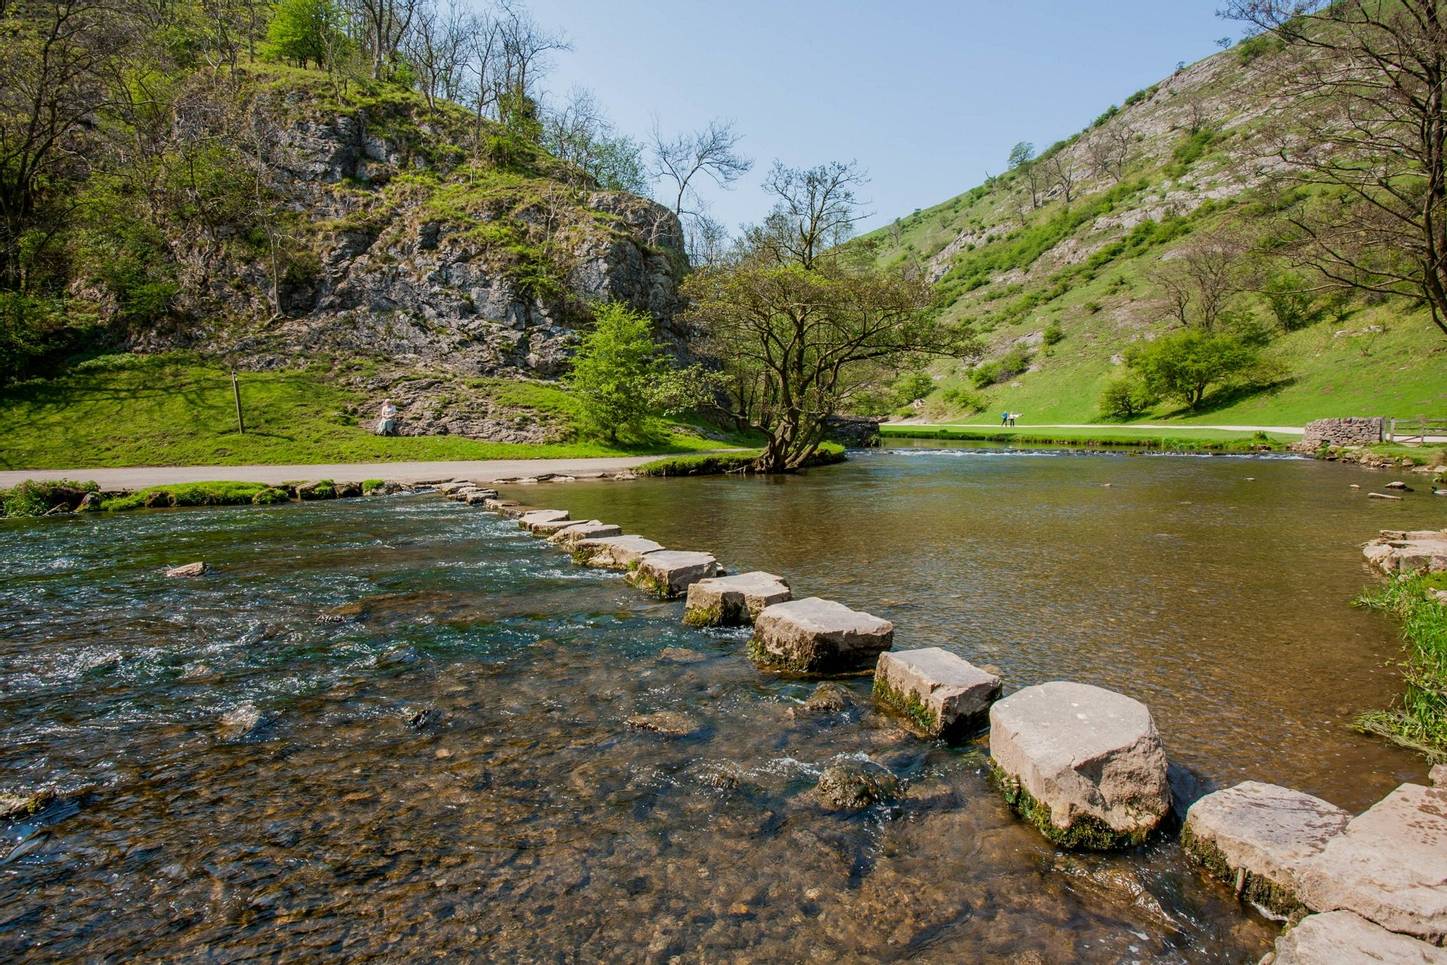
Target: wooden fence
(1416, 431)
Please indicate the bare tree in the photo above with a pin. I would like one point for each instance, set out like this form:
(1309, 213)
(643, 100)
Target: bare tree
(815, 209)
(1061, 172)
(524, 46)
(384, 24)
(1370, 124)
(1198, 281)
(1109, 150)
(1022, 159)
(580, 133)
(437, 47)
(712, 151)
(708, 241)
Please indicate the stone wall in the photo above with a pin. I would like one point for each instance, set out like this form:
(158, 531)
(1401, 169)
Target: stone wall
(854, 431)
(1342, 432)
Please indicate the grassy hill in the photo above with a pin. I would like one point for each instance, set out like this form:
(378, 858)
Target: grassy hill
(1059, 292)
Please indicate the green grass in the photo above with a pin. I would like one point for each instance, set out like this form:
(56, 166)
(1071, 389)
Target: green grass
(714, 464)
(35, 498)
(1194, 440)
(1419, 720)
(219, 493)
(173, 410)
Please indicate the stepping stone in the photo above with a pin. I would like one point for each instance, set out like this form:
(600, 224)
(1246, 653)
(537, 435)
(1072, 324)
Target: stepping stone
(1257, 837)
(1339, 937)
(668, 573)
(547, 529)
(1389, 865)
(591, 529)
(1082, 764)
(937, 693)
(731, 601)
(479, 497)
(817, 636)
(498, 505)
(539, 517)
(515, 510)
(613, 552)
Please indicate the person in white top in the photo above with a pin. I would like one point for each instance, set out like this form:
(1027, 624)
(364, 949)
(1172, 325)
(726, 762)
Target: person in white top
(387, 425)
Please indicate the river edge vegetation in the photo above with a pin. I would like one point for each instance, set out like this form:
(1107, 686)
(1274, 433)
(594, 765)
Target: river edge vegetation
(1173, 439)
(1419, 720)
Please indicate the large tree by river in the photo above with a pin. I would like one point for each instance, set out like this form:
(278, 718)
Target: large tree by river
(798, 325)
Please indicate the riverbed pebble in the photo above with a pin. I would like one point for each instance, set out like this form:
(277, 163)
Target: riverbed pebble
(818, 636)
(613, 552)
(937, 693)
(669, 573)
(1389, 865)
(1340, 937)
(1082, 764)
(733, 600)
(1258, 836)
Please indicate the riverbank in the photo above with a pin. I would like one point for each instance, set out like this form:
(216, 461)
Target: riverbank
(1172, 439)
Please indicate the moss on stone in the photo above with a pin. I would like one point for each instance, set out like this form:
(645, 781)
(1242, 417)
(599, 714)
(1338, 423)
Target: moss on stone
(1254, 888)
(703, 616)
(1086, 833)
(647, 582)
(921, 719)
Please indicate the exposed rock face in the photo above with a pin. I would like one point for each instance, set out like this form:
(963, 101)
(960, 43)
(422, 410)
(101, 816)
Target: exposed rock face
(818, 636)
(1339, 937)
(1083, 764)
(1258, 836)
(591, 529)
(669, 573)
(733, 600)
(1389, 865)
(1408, 551)
(852, 785)
(937, 693)
(613, 552)
(190, 569)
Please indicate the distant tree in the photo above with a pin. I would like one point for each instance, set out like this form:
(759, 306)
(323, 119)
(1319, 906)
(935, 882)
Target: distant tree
(1022, 159)
(711, 151)
(1369, 124)
(1199, 280)
(1061, 171)
(302, 31)
(579, 132)
(621, 375)
(1185, 365)
(1125, 397)
(1108, 150)
(708, 241)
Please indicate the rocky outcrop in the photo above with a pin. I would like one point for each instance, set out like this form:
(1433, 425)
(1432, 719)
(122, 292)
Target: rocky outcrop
(1403, 552)
(1258, 837)
(669, 573)
(1083, 764)
(1339, 937)
(937, 693)
(817, 636)
(733, 600)
(1389, 865)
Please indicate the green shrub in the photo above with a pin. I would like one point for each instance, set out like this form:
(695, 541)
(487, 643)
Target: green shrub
(622, 377)
(36, 498)
(370, 486)
(1187, 364)
(1291, 303)
(964, 400)
(1053, 333)
(1009, 365)
(1125, 397)
(270, 497)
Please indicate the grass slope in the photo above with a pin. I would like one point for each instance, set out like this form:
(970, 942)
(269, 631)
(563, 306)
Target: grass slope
(168, 410)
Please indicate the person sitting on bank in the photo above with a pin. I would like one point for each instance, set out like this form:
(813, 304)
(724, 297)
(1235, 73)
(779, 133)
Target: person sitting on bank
(387, 425)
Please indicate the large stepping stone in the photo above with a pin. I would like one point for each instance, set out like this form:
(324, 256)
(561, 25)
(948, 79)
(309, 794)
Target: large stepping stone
(1257, 837)
(1389, 865)
(669, 573)
(541, 517)
(731, 601)
(546, 530)
(590, 529)
(1082, 764)
(937, 693)
(1339, 937)
(817, 636)
(613, 552)
(497, 505)
(1408, 551)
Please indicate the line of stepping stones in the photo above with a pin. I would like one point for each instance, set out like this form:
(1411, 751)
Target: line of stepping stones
(1082, 764)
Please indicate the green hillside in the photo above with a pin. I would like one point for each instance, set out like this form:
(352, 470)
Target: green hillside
(1059, 293)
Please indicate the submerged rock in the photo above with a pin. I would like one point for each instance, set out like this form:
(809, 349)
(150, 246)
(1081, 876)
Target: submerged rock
(1257, 837)
(853, 785)
(1389, 865)
(669, 723)
(1340, 937)
(669, 573)
(198, 568)
(937, 693)
(243, 722)
(1082, 764)
(818, 636)
(827, 698)
(733, 600)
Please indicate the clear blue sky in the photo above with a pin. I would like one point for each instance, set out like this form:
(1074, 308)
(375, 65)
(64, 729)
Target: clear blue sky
(928, 95)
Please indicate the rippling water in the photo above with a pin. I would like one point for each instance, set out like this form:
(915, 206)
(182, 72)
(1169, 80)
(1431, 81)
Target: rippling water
(446, 771)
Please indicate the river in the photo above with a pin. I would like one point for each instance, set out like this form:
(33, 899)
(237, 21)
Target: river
(443, 765)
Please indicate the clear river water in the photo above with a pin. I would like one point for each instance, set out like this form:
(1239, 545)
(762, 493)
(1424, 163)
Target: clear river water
(442, 766)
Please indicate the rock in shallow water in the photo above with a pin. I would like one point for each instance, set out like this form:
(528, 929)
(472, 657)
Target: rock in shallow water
(668, 573)
(669, 723)
(827, 698)
(733, 600)
(852, 784)
(1339, 938)
(818, 636)
(613, 552)
(938, 693)
(1258, 836)
(198, 568)
(1082, 764)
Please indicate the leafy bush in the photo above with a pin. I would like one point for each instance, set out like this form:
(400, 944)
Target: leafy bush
(1126, 397)
(1009, 365)
(1191, 149)
(1053, 333)
(1249, 48)
(1293, 306)
(1187, 364)
(622, 377)
(36, 498)
(964, 400)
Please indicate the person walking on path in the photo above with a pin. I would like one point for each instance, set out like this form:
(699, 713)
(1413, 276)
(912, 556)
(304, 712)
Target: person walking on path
(387, 425)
